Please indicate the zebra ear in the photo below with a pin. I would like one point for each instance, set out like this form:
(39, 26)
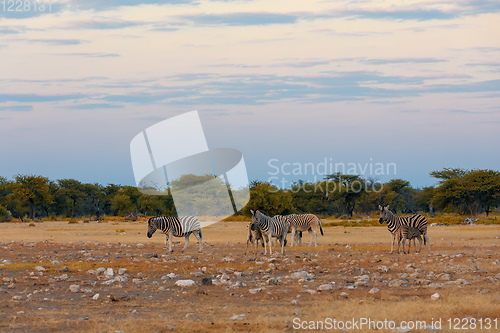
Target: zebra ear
(386, 207)
(379, 207)
(251, 211)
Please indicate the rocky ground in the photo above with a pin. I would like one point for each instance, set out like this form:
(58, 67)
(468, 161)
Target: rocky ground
(108, 287)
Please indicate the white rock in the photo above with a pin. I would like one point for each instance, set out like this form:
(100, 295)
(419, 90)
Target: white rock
(122, 271)
(74, 288)
(109, 273)
(39, 268)
(109, 282)
(238, 317)
(435, 296)
(185, 283)
(294, 302)
(374, 291)
(255, 291)
(309, 291)
(96, 297)
(301, 275)
(17, 298)
(121, 278)
(325, 287)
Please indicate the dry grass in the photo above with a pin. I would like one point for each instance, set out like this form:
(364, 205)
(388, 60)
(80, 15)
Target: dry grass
(340, 256)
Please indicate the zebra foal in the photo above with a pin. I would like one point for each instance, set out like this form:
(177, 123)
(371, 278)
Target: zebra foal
(270, 227)
(394, 224)
(409, 233)
(305, 222)
(254, 236)
(176, 227)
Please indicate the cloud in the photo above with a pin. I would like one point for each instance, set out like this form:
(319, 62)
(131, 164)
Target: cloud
(16, 108)
(91, 55)
(403, 61)
(58, 41)
(241, 18)
(30, 98)
(99, 5)
(93, 106)
(9, 30)
(103, 24)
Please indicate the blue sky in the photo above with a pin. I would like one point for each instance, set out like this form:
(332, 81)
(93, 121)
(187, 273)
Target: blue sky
(413, 83)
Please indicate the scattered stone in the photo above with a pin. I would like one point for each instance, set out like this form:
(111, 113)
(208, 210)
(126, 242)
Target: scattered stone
(343, 295)
(255, 291)
(74, 288)
(435, 296)
(109, 273)
(39, 268)
(294, 302)
(86, 290)
(122, 271)
(170, 327)
(96, 297)
(184, 283)
(309, 291)
(302, 275)
(396, 283)
(238, 317)
(325, 287)
(374, 291)
(383, 269)
(192, 316)
(273, 281)
(17, 298)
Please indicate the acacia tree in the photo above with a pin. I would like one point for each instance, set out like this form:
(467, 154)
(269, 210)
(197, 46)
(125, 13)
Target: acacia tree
(469, 190)
(73, 190)
(34, 190)
(346, 190)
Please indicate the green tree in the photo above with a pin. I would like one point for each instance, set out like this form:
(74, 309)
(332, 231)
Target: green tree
(399, 195)
(74, 191)
(34, 191)
(346, 190)
(150, 204)
(121, 204)
(468, 190)
(270, 199)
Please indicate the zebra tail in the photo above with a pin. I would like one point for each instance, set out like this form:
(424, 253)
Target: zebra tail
(320, 229)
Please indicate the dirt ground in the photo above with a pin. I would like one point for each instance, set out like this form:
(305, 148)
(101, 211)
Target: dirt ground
(53, 278)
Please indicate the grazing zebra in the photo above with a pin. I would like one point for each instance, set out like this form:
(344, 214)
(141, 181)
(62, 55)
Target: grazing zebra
(270, 227)
(305, 222)
(410, 233)
(394, 224)
(175, 227)
(254, 235)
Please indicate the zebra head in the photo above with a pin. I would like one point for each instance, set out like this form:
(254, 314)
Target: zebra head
(383, 213)
(255, 219)
(151, 227)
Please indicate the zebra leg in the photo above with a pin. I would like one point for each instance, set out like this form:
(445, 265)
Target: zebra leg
(198, 236)
(187, 242)
(294, 230)
(393, 240)
(283, 240)
(171, 235)
(428, 244)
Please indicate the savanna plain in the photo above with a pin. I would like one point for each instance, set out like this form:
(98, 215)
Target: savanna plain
(109, 277)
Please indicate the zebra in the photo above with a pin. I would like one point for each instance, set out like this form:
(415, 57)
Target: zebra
(305, 222)
(176, 227)
(407, 232)
(270, 227)
(254, 234)
(394, 224)
(287, 220)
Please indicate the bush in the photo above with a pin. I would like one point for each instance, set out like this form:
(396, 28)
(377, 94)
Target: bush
(5, 215)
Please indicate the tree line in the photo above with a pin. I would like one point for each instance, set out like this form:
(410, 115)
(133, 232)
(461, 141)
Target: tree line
(459, 190)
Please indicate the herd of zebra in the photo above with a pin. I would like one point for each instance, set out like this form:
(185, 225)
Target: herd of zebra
(263, 229)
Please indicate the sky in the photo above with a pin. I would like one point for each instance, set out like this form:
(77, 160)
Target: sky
(384, 89)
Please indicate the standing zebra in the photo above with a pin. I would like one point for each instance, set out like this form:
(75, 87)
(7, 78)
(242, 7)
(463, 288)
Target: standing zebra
(394, 224)
(270, 227)
(287, 221)
(410, 233)
(175, 227)
(254, 235)
(305, 222)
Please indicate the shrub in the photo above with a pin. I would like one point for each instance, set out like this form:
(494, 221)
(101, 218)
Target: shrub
(5, 215)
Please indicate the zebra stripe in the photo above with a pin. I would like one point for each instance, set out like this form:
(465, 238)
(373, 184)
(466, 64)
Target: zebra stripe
(407, 232)
(394, 224)
(305, 222)
(254, 236)
(270, 227)
(176, 227)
